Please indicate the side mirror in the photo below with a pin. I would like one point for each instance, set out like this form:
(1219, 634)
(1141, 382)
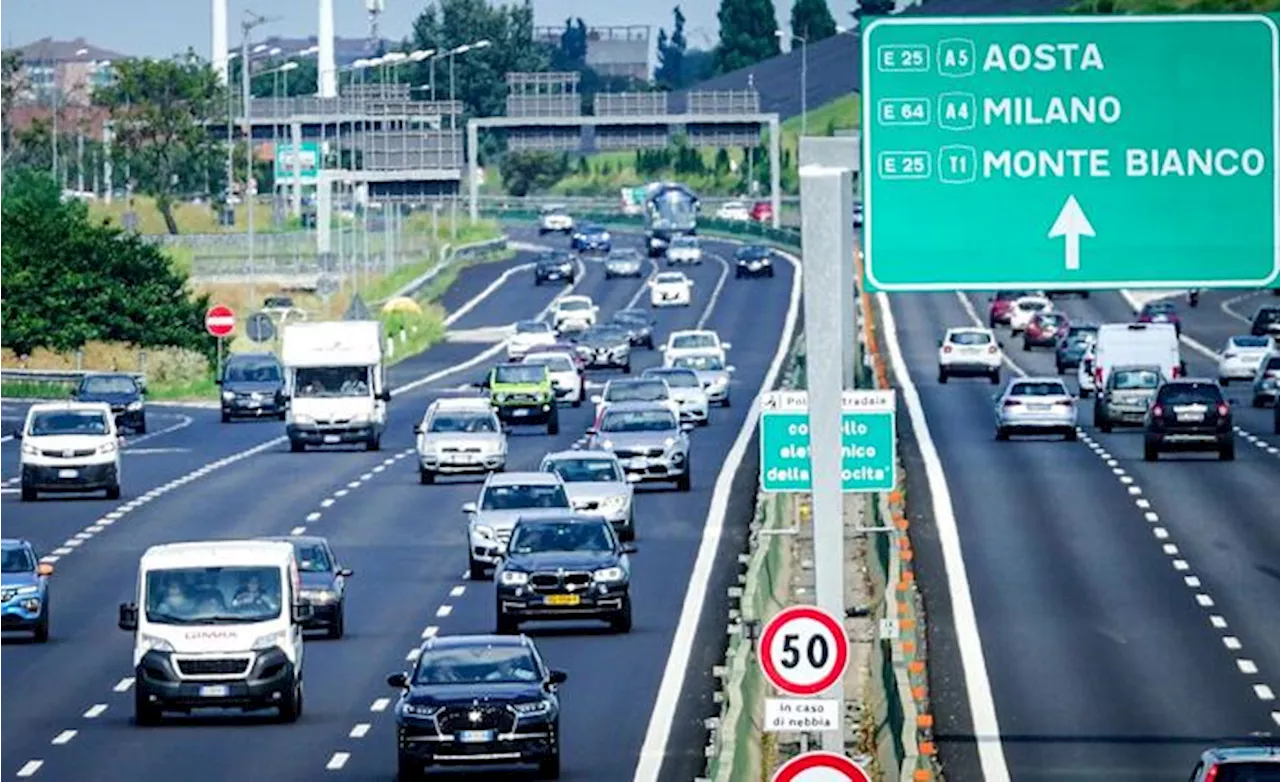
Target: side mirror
(468, 507)
(557, 677)
(44, 569)
(17, 435)
(128, 620)
(398, 680)
(686, 428)
(597, 399)
(217, 381)
(592, 431)
(385, 396)
(302, 613)
(662, 348)
(731, 369)
(506, 428)
(633, 477)
(1000, 344)
(629, 548)
(74, 393)
(939, 343)
(726, 345)
(346, 572)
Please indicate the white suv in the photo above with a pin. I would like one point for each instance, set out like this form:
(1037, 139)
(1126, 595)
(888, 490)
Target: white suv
(575, 313)
(969, 352)
(692, 342)
(70, 447)
(555, 219)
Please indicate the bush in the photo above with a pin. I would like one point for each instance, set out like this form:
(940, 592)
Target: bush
(164, 366)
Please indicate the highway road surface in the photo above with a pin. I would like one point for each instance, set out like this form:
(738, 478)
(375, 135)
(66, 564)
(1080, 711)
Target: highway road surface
(67, 704)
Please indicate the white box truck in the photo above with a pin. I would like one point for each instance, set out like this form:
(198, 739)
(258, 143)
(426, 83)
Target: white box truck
(217, 624)
(336, 382)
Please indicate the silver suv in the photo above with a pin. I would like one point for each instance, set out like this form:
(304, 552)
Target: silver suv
(459, 436)
(648, 439)
(506, 498)
(1238, 764)
(597, 485)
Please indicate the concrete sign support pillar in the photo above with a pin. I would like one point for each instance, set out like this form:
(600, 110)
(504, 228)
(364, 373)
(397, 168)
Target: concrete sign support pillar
(295, 138)
(324, 212)
(775, 170)
(826, 196)
(473, 180)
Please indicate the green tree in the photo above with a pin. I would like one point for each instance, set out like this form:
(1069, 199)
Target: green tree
(159, 109)
(9, 68)
(480, 75)
(748, 34)
(670, 73)
(572, 53)
(872, 8)
(267, 81)
(69, 281)
(812, 20)
(527, 172)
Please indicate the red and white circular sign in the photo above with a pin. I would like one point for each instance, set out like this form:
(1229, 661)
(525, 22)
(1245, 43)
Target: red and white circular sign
(821, 767)
(220, 320)
(803, 650)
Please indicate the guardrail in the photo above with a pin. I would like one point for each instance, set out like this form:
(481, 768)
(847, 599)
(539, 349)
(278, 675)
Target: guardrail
(786, 238)
(61, 377)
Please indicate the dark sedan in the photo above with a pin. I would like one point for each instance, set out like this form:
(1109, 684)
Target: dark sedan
(1071, 348)
(570, 567)
(324, 584)
(123, 392)
(475, 700)
(554, 266)
(638, 324)
(606, 347)
(754, 261)
(591, 238)
(253, 387)
(1162, 311)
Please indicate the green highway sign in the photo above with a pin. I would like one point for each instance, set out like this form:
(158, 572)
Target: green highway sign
(308, 162)
(869, 442)
(1071, 152)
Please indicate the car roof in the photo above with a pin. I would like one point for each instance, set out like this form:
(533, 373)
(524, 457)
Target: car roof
(88, 375)
(1245, 754)
(469, 641)
(637, 407)
(215, 553)
(1085, 326)
(300, 539)
(1137, 368)
(256, 355)
(70, 405)
(688, 332)
(14, 543)
(522, 479)
(573, 518)
(652, 371)
(1191, 381)
(581, 453)
(631, 381)
(574, 297)
(475, 403)
(1037, 379)
(969, 330)
(672, 276)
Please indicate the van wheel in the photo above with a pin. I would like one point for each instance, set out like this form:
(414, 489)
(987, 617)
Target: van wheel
(995, 378)
(942, 376)
(1257, 401)
(1228, 452)
(226, 417)
(549, 768)
(297, 446)
(476, 570)
(113, 492)
(1104, 423)
(28, 494)
(1071, 435)
(626, 368)
(144, 713)
(621, 621)
(291, 704)
(1149, 453)
(374, 444)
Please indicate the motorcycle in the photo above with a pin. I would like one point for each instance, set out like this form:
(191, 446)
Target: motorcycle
(1193, 297)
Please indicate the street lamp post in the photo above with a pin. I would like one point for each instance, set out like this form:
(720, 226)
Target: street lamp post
(453, 118)
(804, 80)
(251, 22)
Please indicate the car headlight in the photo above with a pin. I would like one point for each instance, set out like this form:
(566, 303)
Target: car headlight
(360, 418)
(514, 578)
(318, 595)
(154, 643)
(299, 418)
(533, 708)
(30, 589)
(228, 396)
(607, 445)
(670, 441)
(29, 449)
(609, 575)
(483, 531)
(764, 261)
(604, 237)
(134, 406)
(269, 640)
(418, 710)
(107, 448)
(614, 504)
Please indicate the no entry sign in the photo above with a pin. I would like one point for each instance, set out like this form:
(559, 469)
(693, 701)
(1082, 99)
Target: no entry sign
(821, 767)
(803, 650)
(220, 320)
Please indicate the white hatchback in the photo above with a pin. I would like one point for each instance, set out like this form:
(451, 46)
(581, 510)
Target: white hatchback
(969, 352)
(1242, 356)
(671, 289)
(1024, 309)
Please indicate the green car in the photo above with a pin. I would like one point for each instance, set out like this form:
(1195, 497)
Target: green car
(522, 394)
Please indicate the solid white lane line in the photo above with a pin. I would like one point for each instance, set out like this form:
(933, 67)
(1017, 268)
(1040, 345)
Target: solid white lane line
(338, 760)
(715, 294)
(30, 768)
(1275, 717)
(360, 731)
(64, 737)
(94, 711)
(444, 610)
(123, 685)
(380, 704)
(457, 591)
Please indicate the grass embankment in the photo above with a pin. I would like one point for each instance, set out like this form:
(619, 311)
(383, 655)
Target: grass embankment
(182, 375)
(611, 171)
(191, 218)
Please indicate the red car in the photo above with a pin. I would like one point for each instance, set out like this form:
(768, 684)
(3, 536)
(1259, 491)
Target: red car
(1044, 330)
(1002, 307)
(1162, 311)
(762, 211)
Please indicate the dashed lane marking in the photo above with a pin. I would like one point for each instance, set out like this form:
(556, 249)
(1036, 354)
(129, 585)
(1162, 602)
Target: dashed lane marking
(413, 655)
(296, 531)
(444, 610)
(380, 704)
(359, 731)
(457, 591)
(338, 760)
(123, 685)
(313, 516)
(64, 737)
(431, 631)
(95, 711)
(30, 768)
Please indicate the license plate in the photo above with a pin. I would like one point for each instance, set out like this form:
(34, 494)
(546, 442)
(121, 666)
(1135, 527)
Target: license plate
(254, 403)
(215, 691)
(1038, 408)
(332, 438)
(553, 276)
(563, 600)
(1190, 416)
(639, 463)
(520, 411)
(68, 473)
(475, 736)
(468, 458)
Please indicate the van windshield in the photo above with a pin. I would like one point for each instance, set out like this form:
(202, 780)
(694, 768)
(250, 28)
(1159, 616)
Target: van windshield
(213, 595)
(315, 382)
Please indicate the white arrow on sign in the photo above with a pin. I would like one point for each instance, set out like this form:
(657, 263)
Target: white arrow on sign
(1071, 224)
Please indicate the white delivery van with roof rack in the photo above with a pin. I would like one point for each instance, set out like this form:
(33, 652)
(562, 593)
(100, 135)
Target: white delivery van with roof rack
(217, 624)
(336, 380)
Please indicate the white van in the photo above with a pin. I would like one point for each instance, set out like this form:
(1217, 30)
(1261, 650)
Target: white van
(1147, 344)
(217, 624)
(336, 382)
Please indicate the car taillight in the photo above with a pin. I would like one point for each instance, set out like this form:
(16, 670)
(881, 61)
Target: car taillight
(946, 348)
(1212, 773)
(1223, 410)
(1157, 411)
(1174, 374)
(1097, 375)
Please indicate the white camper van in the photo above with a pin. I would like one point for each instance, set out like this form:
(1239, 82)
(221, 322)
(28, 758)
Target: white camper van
(217, 624)
(1137, 344)
(336, 382)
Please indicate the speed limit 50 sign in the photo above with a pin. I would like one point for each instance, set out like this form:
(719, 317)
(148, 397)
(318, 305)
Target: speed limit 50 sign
(804, 650)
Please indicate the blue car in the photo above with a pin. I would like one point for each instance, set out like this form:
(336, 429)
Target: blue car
(24, 589)
(591, 238)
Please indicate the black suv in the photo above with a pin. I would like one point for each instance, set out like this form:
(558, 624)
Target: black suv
(556, 266)
(1189, 415)
(476, 699)
(123, 392)
(570, 567)
(607, 346)
(253, 386)
(1266, 321)
(639, 326)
